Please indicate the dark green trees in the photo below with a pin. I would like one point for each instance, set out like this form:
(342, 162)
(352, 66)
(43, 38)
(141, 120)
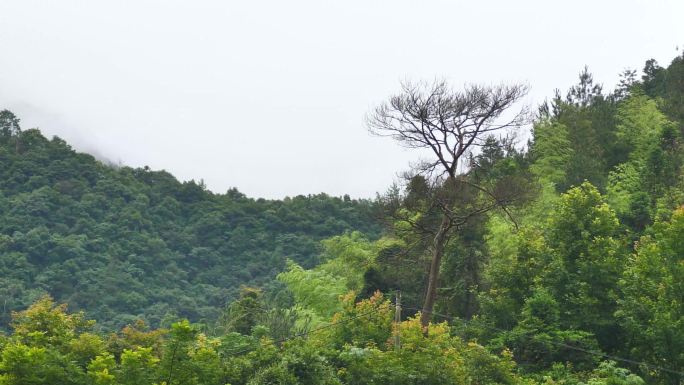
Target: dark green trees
(123, 243)
(9, 125)
(652, 307)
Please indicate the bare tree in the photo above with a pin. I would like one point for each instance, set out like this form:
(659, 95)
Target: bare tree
(451, 124)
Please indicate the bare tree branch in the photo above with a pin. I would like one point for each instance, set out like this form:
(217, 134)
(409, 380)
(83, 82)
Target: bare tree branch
(450, 124)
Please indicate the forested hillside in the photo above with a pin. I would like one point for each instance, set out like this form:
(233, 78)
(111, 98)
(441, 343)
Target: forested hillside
(123, 243)
(559, 261)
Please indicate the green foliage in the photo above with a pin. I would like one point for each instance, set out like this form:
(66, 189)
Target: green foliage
(554, 286)
(516, 262)
(462, 272)
(9, 125)
(244, 313)
(315, 290)
(652, 308)
(366, 323)
(552, 150)
(356, 348)
(652, 143)
(48, 346)
(32, 365)
(538, 340)
(300, 363)
(123, 243)
(189, 357)
(535, 294)
(394, 268)
(639, 125)
(607, 373)
(137, 366)
(666, 84)
(348, 256)
(586, 262)
(437, 359)
(44, 323)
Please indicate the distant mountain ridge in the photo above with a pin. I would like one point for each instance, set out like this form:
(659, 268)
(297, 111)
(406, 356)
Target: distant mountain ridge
(127, 243)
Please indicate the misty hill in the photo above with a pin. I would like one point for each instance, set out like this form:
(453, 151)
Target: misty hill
(125, 243)
(579, 281)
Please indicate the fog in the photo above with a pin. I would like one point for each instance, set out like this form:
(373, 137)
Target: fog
(270, 96)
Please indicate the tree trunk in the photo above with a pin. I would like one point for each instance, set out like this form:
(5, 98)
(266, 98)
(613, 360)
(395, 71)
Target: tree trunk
(438, 245)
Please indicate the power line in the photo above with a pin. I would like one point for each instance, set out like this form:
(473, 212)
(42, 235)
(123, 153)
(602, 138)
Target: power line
(572, 347)
(465, 322)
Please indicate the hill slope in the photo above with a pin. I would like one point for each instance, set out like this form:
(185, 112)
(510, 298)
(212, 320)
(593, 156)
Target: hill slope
(124, 243)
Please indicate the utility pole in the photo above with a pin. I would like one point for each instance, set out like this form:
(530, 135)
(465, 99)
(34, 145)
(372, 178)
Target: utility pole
(397, 321)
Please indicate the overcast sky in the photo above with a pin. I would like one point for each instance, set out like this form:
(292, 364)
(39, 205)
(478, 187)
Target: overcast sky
(270, 96)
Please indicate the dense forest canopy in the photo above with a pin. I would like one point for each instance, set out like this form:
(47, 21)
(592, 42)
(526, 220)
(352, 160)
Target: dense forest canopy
(579, 280)
(123, 243)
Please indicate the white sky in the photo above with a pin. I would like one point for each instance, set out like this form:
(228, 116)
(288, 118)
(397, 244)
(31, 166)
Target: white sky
(270, 96)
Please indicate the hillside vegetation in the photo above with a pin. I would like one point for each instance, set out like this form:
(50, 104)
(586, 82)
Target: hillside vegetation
(578, 280)
(123, 243)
